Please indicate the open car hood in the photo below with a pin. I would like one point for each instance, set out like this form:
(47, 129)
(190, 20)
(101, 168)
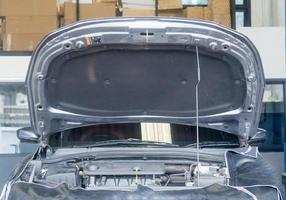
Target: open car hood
(145, 70)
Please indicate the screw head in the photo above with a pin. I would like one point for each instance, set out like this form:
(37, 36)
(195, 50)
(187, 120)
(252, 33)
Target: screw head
(213, 45)
(251, 78)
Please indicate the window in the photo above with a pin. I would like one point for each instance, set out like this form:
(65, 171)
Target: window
(239, 2)
(273, 117)
(195, 2)
(241, 13)
(239, 17)
(156, 132)
(14, 114)
(13, 105)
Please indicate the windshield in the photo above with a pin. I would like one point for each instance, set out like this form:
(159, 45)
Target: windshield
(180, 135)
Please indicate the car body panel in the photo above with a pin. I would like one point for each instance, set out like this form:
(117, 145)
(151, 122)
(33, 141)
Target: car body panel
(145, 70)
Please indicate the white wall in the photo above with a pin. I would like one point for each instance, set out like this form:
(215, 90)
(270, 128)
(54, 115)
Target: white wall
(270, 42)
(267, 13)
(13, 68)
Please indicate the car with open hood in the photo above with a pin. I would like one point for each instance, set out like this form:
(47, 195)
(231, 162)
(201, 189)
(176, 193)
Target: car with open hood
(144, 108)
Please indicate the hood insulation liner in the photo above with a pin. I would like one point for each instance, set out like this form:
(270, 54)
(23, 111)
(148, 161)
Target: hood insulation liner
(118, 82)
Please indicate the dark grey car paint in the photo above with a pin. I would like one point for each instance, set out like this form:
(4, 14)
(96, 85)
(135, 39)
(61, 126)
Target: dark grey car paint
(128, 55)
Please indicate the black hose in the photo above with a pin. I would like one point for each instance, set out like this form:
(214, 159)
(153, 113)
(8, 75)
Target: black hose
(77, 10)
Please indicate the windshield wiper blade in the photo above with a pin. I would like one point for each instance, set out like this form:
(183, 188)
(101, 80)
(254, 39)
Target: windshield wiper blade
(129, 141)
(213, 144)
(70, 159)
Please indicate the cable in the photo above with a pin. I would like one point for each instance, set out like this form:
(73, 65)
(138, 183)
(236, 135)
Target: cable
(197, 114)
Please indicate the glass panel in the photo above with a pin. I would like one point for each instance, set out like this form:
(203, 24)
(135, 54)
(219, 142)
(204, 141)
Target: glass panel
(239, 17)
(194, 2)
(14, 114)
(13, 105)
(152, 132)
(273, 117)
(273, 93)
(239, 2)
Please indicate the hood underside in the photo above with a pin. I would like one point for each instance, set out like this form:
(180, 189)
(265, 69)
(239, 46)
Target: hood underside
(145, 70)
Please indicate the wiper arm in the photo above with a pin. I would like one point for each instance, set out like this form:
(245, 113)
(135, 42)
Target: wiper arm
(213, 144)
(70, 159)
(129, 141)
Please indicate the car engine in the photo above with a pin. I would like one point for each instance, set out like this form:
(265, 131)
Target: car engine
(94, 174)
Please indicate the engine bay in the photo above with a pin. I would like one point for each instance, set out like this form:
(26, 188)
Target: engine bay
(100, 174)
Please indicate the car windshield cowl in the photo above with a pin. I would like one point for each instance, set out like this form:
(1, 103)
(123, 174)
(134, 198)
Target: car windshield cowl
(127, 142)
